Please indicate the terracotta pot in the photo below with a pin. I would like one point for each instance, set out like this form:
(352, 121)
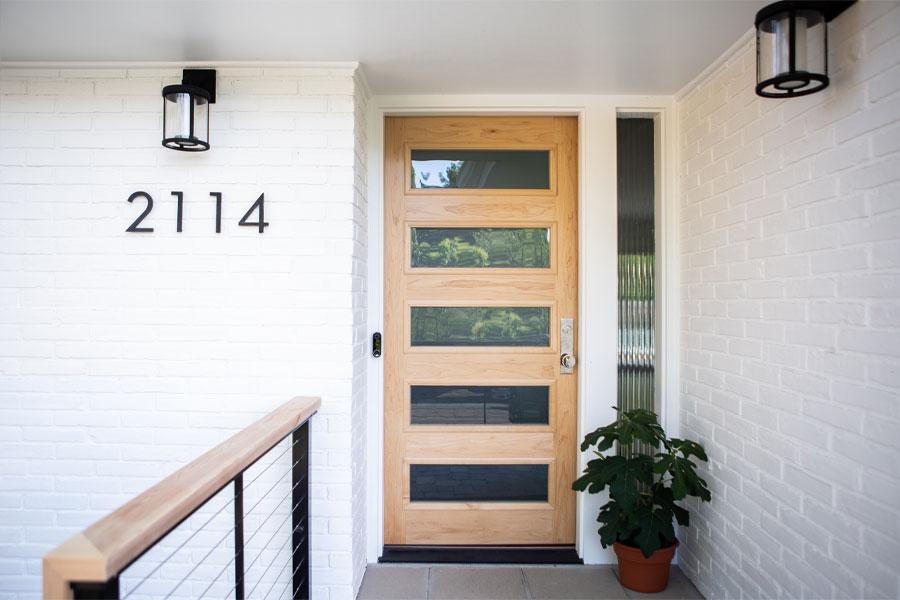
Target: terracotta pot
(641, 574)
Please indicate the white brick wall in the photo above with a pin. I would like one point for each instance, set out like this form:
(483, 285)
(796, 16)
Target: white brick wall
(790, 358)
(123, 355)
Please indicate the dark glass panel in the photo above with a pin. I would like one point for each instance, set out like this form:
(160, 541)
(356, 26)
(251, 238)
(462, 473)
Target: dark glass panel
(478, 483)
(480, 326)
(481, 169)
(481, 247)
(637, 253)
(480, 405)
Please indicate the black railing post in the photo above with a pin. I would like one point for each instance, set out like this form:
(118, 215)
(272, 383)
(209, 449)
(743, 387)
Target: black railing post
(239, 537)
(300, 512)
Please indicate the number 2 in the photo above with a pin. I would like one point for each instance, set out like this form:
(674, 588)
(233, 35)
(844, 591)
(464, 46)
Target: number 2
(134, 226)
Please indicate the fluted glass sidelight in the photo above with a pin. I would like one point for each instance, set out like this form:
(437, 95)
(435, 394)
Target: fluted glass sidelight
(636, 262)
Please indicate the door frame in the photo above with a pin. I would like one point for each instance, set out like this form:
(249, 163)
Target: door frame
(597, 324)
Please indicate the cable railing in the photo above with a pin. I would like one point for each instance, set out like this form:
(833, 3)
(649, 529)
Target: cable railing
(234, 523)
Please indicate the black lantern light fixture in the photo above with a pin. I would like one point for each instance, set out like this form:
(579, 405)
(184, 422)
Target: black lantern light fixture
(186, 111)
(792, 46)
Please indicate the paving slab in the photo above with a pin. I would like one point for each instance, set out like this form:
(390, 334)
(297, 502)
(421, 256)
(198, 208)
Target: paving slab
(394, 582)
(477, 583)
(510, 582)
(573, 583)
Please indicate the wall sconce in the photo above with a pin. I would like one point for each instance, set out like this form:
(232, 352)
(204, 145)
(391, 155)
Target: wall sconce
(792, 46)
(186, 111)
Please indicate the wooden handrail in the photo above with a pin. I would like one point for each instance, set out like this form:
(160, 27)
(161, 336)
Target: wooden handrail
(112, 543)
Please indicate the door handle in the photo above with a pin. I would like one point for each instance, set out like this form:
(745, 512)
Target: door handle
(567, 345)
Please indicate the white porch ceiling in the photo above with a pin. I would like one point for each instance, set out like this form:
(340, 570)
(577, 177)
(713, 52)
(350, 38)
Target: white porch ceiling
(422, 46)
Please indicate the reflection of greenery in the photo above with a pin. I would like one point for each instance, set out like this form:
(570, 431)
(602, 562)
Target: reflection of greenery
(636, 276)
(484, 247)
(450, 178)
(637, 343)
(480, 326)
(480, 169)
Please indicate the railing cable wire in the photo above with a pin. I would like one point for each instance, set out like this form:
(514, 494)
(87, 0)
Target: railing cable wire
(180, 546)
(199, 562)
(216, 514)
(296, 547)
(271, 562)
(264, 546)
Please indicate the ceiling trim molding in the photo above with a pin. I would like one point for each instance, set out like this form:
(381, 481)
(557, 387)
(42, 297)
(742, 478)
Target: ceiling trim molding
(171, 64)
(722, 59)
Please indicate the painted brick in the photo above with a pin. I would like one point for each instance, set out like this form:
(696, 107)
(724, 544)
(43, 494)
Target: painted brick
(818, 481)
(143, 351)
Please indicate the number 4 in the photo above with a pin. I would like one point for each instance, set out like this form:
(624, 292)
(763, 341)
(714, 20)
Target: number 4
(261, 223)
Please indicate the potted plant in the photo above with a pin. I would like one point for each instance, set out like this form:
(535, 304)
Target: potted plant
(646, 479)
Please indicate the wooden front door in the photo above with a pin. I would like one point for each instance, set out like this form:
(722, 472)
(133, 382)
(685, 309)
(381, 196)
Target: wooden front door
(481, 289)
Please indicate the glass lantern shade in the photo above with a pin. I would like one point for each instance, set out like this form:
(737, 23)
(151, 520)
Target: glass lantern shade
(791, 50)
(185, 118)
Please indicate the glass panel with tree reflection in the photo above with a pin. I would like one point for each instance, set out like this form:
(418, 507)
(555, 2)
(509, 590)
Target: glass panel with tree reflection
(481, 169)
(481, 247)
(480, 326)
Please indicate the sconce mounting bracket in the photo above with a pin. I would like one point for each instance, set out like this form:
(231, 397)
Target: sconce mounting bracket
(202, 78)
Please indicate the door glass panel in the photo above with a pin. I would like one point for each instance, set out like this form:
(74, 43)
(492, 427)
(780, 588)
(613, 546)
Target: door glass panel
(481, 169)
(523, 247)
(480, 404)
(478, 483)
(480, 326)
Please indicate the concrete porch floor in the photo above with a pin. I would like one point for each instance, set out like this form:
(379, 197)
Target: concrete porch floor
(507, 582)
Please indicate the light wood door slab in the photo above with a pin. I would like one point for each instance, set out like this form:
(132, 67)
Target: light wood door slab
(552, 443)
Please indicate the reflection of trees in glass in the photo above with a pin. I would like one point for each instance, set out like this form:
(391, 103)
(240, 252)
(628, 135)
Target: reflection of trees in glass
(637, 344)
(480, 247)
(480, 169)
(448, 178)
(480, 326)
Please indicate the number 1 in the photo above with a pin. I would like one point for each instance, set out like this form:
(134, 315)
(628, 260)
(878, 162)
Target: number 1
(218, 197)
(179, 211)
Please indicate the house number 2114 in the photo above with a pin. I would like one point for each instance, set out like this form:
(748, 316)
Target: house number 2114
(259, 207)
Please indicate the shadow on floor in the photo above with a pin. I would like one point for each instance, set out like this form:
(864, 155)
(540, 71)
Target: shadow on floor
(508, 582)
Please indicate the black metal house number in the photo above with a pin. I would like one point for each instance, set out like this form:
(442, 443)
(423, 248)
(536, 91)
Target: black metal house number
(259, 207)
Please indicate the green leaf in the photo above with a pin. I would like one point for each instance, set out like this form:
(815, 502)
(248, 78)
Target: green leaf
(681, 515)
(688, 448)
(602, 437)
(591, 439)
(625, 476)
(580, 484)
(665, 460)
(611, 521)
(679, 487)
(655, 530)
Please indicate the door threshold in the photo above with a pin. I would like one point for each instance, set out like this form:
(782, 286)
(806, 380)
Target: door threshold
(537, 555)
